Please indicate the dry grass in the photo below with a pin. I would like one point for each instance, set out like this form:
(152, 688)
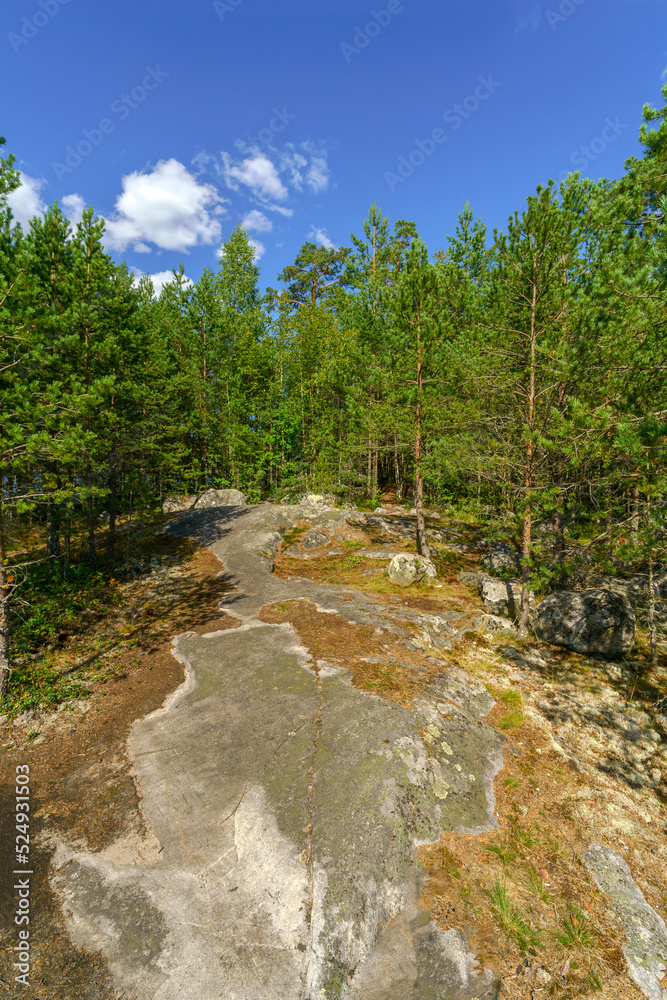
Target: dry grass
(523, 890)
(400, 675)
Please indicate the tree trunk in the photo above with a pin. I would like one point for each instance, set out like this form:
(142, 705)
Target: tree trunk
(397, 473)
(53, 531)
(559, 542)
(369, 469)
(422, 544)
(651, 592)
(651, 613)
(528, 476)
(113, 498)
(68, 544)
(4, 612)
(525, 572)
(634, 517)
(92, 557)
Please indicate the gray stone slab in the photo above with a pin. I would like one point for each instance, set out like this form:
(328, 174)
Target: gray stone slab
(646, 945)
(283, 810)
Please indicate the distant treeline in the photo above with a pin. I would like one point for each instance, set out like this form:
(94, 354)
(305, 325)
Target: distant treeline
(524, 372)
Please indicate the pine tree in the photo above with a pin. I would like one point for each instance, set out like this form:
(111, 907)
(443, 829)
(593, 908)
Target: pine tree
(416, 343)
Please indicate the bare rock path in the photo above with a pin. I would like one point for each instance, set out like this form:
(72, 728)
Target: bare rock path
(284, 808)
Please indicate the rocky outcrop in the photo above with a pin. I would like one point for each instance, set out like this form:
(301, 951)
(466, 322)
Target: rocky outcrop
(316, 500)
(221, 498)
(312, 541)
(635, 588)
(502, 559)
(646, 935)
(587, 621)
(502, 596)
(284, 808)
(406, 568)
(176, 502)
(493, 624)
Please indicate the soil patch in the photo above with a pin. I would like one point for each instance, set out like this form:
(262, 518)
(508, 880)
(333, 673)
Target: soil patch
(532, 909)
(81, 785)
(376, 662)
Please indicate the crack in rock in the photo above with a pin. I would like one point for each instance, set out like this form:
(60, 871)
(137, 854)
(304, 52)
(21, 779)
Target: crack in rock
(288, 833)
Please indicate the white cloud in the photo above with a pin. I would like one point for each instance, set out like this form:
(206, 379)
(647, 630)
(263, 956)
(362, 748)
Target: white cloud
(73, 206)
(317, 177)
(257, 222)
(269, 174)
(258, 247)
(320, 236)
(256, 172)
(307, 163)
(159, 279)
(25, 202)
(293, 163)
(166, 206)
(287, 212)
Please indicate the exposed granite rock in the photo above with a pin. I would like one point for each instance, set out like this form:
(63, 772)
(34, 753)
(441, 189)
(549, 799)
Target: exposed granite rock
(314, 539)
(635, 588)
(493, 624)
(502, 558)
(646, 948)
(587, 621)
(176, 502)
(406, 568)
(502, 596)
(221, 498)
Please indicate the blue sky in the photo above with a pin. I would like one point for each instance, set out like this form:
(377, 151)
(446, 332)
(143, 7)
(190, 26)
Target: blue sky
(177, 120)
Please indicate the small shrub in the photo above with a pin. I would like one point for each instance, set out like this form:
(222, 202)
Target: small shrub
(576, 933)
(510, 919)
(511, 720)
(536, 885)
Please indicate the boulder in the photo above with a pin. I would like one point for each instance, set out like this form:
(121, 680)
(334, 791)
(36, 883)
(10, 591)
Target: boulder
(587, 621)
(635, 588)
(314, 539)
(406, 568)
(221, 498)
(176, 502)
(502, 596)
(493, 625)
(502, 559)
(470, 579)
(316, 500)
